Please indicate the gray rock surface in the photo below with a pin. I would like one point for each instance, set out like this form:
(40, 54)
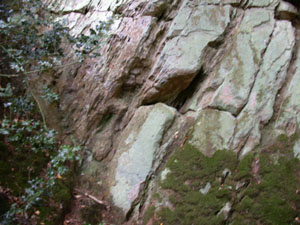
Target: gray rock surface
(213, 130)
(206, 74)
(180, 60)
(142, 139)
(236, 73)
(269, 80)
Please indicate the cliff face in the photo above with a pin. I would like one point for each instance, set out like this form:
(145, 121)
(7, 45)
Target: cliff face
(191, 114)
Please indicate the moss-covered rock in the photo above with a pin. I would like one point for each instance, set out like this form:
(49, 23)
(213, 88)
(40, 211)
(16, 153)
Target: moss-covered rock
(262, 187)
(272, 196)
(190, 172)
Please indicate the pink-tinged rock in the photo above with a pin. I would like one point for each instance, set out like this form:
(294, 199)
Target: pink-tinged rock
(133, 32)
(252, 101)
(134, 192)
(240, 64)
(180, 60)
(269, 80)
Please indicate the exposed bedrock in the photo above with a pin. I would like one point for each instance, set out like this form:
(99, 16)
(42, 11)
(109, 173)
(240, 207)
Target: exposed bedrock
(191, 113)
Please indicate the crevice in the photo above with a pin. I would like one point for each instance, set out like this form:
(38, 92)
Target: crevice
(256, 74)
(239, 147)
(174, 143)
(237, 200)
(213, 54)
(280, 96)
(215, 50)
(82, 11)
(242, 5)
(219, 109)
(145, 185)
(157, 37)
(291, 16)
(187, 93)
(284, 83)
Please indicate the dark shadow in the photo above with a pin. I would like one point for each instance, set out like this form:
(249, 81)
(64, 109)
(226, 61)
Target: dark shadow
(189, 91)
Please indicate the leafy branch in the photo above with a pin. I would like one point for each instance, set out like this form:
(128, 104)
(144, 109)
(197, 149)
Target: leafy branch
(33, 42)
(38, 70)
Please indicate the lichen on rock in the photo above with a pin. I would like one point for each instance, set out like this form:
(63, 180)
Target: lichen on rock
(191, 114)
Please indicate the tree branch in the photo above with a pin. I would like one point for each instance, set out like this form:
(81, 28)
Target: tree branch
(39, 70)
(91, 197)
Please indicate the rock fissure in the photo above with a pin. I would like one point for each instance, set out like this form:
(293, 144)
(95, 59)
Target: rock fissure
(182, 112)
(291, 72)
(258, 71)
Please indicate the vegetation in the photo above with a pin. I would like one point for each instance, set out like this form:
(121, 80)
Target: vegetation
(261, 189)
(35, 168)
(191, 172)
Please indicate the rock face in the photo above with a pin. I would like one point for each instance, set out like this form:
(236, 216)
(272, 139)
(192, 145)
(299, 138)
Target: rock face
(139, 143)
(191, 114)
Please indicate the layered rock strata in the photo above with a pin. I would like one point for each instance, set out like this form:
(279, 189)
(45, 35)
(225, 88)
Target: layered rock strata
(191, 114)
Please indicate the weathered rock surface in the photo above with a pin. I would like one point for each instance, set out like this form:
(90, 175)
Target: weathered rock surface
(180, 60)
(191, 114)
(259, 109)
(213, 130)
(236, 73)
(137, 148)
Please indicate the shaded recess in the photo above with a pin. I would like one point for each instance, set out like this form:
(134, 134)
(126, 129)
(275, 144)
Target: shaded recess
(188, 92)
(294, 2)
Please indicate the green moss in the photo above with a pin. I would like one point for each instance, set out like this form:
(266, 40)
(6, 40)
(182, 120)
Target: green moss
(49, 215)
(238, 219)
(283, 145)
(148, 214)
(266, 193)
(246, 203)
(157, 197)
(61, 192)
(252, 191)
(271, 196)
(191, 171)
(279, 184)
(168, 216)
(244, 167)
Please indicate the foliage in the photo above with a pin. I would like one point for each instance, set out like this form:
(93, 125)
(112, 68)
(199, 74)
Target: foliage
(24, 45)
(49, 95)
(6, 92)
(36, 166)
(31, 38)
(41, 186)
(29, 137)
